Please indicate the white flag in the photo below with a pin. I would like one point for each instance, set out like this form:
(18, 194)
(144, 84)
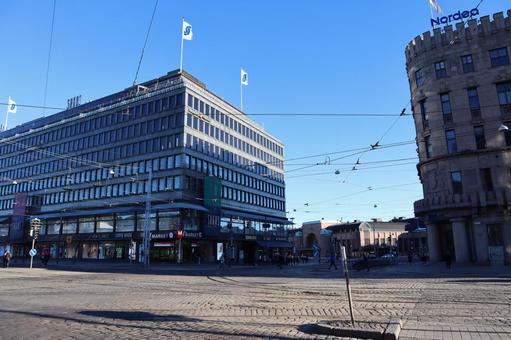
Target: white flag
(12, 107)
(244, 77)
(187, 31)
(435, 6)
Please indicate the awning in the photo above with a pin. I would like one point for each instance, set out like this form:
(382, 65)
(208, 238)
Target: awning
(275, 244)
(257, 217)
(180, 205)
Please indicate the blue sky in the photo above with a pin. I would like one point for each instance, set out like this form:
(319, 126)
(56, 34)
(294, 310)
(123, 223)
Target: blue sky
(302, 57)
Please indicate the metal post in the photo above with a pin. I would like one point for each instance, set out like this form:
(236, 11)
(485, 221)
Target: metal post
(346, 274)
(31, 257)
(147, 217)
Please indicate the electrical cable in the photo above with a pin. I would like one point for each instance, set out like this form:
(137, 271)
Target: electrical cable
(49, 56)
(145, 42)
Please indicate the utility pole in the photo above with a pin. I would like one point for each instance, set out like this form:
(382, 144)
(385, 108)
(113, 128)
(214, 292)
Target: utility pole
(35, 224)
(147, 217)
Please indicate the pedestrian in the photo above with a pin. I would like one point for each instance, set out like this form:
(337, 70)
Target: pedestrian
(7, 258)
(221, 263)
(280, 260)
(448, 260)
(4, 259)
(332, 261)
(365, 261)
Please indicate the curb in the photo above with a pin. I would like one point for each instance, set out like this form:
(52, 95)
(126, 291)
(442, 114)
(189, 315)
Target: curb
(393, 329)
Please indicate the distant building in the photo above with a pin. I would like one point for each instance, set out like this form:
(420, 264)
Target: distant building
(312, 234)
(358, 236)
(460, 83)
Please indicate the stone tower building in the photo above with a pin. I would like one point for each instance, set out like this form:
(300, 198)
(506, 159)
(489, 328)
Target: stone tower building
(460, 83)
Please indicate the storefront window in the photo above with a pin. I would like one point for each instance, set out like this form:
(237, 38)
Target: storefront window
(106, 250)
(190, 219)
(140, 221)
(90, 250)
(125, 223)
(71, 250)
(69, 227)
(4, 230)
(237, 226)
(168, 220)
(86, 225)
(105, 224)
(249, 227)
(53, 227)
(225, 223)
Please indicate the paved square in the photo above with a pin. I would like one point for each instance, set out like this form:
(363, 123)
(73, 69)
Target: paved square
(465, 303)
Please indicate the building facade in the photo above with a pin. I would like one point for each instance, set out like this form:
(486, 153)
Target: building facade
(460, 83)
(372, 236)
(312, 238)
(206, 171)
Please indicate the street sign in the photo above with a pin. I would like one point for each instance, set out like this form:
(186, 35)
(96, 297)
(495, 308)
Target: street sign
(32, 252)
(180, 234)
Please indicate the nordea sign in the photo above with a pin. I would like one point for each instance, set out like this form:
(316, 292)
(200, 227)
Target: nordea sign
(456, 16)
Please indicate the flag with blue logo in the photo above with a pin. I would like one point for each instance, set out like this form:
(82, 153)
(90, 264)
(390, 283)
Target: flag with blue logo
(187, 31)
(12, 107)
(244, 77)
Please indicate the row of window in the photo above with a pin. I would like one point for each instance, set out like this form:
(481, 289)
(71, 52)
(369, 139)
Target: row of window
(457, 180)
(498, 57)
(226, 120)
(452, 147)
(251, 198)
(210, 149)
(503, 95)
(198, 124)
(96, 123)
(144, 128)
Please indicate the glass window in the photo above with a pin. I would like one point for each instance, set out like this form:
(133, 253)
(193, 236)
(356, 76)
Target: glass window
(450, 136)
(504, 93)
(69, 227)
(446, 107)
(141, 221)
(53, 227)
(168, 220)
(499, 57)
(473, 102)
(125, 223)
(424, 114)
(105, 224)
(486, 179)
(419, 78)
(457, 187)
(480, 138)
(495, 235)
(467, 63)
(440, 70)
(429, 148)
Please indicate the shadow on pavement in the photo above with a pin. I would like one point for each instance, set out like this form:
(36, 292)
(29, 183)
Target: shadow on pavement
(136, 316)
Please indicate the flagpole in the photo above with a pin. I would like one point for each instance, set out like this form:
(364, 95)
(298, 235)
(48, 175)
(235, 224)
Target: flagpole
(241, 95)
(7, 114)
(182, 45)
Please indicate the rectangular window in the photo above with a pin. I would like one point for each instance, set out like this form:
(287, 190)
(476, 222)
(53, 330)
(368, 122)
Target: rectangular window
(450, 137)
(440, 70)
(419, 77)
(495, 235)
(480, 138)
(504, 93)
(424, 114)
(467, 63)
(429, 148)
(457, 187)
(446, 107)
(473, 102)
(486, 179)
(499, 57)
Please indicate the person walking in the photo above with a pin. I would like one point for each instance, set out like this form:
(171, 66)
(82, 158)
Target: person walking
(366, 262)
(332, 261)
(4, 259)
(7, 258)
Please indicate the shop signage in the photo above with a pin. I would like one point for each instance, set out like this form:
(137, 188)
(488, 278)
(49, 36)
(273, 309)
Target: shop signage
(163, 235)
(179, 234)
(191, 234)
(460, 15)
(250, 237)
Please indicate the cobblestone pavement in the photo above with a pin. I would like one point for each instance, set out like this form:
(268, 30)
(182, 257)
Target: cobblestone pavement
(465, 303)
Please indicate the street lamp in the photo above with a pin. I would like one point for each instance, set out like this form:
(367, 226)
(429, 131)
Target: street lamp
(503, 128)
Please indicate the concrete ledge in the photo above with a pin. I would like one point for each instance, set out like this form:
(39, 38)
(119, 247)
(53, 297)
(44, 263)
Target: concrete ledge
(393, 329)
(361, 329)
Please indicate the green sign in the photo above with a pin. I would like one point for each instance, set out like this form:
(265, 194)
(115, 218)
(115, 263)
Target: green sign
(212, 192)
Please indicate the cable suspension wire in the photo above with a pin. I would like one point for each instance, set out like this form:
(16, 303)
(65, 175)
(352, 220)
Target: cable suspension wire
(348, 169)
(36, 106)
(49, 56)
(371, 162)
(145, 42)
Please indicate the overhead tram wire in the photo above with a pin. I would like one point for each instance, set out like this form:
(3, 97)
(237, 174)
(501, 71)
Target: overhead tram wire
(36, 106)
(49, 56)
(361, 169)
(145, 42)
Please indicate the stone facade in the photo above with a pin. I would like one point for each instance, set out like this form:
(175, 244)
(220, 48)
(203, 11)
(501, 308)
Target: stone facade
(460, 83)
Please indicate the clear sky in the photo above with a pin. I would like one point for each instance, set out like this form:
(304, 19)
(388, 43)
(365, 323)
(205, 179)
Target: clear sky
(302, 57)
